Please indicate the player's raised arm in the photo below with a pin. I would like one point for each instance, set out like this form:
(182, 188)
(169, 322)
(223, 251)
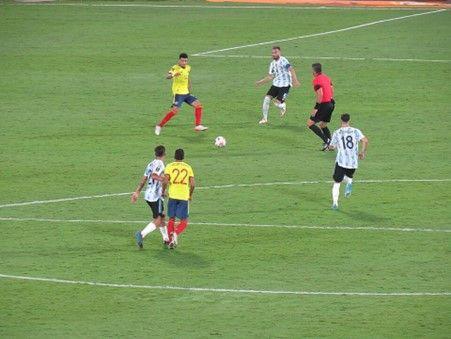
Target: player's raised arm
(364, 147)
(138, 190)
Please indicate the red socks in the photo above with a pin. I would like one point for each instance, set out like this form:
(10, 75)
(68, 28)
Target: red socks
(171, 113)
(171, 226)
(181, 227)
(168, 117)
(198, 115)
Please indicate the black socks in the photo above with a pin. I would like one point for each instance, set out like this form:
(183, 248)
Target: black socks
(315, 129)
(326, 132)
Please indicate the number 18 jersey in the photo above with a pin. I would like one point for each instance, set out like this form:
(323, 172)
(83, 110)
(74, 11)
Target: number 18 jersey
(346, 141)
(179, 173)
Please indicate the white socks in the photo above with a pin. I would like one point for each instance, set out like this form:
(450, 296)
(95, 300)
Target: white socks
(164, 233)
(335, 192)
(281, 105)
(149, 228)
(347, 180)
(152, 227)
(265, 108)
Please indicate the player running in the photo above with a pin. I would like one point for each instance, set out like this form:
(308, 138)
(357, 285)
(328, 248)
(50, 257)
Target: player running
(283, 76)
(153, 176)
(346, 140)
(181, 89)
(180, 179)
(325, 105)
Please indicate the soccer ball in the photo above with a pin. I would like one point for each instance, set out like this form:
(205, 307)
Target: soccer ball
(220, 141)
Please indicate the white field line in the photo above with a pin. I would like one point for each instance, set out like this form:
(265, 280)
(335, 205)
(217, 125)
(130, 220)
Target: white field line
(324, 58)
(38, 202)
(224, 290)
(283, 183)
(287, 7)
(345, 29)
(309, 227)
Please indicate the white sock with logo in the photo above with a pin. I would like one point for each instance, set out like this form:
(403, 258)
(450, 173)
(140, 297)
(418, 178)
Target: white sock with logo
(265, 108)
(149, 228)
(335, 192)
(164, 233)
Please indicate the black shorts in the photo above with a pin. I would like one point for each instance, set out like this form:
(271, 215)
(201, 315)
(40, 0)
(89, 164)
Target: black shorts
(324, 112)
(157, 208)
(340, 172)
(280, 93)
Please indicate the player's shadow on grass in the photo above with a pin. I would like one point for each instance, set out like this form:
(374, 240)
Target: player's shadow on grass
(181, 258)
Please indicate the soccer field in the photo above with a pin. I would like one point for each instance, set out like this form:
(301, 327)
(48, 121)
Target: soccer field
(81, 89)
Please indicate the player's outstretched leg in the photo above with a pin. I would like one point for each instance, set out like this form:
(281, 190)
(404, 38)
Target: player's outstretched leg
(265, 110)
(169, 115)
(139, 236)
(198, 117)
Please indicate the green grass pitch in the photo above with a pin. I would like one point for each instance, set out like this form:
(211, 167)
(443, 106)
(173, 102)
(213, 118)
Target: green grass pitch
(81, 89)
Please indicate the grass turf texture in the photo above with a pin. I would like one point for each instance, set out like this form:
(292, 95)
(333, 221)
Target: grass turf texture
(80, 91)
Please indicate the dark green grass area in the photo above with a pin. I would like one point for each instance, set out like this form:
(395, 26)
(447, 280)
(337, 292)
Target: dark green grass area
(81, 89)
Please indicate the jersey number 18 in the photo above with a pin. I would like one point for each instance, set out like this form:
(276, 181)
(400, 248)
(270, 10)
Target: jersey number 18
(348, 143)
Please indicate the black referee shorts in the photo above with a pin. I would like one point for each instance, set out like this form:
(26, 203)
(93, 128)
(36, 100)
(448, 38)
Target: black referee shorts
(324, 112)
(280, 93)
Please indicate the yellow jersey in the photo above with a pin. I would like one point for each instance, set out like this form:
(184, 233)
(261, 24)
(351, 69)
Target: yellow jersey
(180, 83)
(179, 174)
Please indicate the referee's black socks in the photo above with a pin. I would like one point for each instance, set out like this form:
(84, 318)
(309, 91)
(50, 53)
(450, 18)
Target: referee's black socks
(326, 132)
(319, 133)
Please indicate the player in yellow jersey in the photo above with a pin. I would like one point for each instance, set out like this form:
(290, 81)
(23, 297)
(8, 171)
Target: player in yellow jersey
(180, 183)
(181, 88)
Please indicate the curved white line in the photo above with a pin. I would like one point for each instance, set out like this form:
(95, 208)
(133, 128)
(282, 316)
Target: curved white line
(224, 290)
(368, 181)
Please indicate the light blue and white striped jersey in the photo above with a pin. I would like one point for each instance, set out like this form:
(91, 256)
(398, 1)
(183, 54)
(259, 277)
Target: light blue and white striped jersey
(279, 69)
(154, 188)
(346, 141)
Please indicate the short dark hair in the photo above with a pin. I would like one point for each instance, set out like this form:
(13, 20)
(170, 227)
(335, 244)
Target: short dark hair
(179, 154)
(183, 56)
(160, 151)
(345, 117)
(317, 68)
(276, 47)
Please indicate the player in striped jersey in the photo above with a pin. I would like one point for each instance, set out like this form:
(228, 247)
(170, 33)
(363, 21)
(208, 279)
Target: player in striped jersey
(154, 177)
(346, 141)
(283, 76)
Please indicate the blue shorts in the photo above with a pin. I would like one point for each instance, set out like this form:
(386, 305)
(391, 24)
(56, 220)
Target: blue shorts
(178, 209)
(179, 99)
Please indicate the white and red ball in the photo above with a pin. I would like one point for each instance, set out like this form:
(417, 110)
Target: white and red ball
(220, 142)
